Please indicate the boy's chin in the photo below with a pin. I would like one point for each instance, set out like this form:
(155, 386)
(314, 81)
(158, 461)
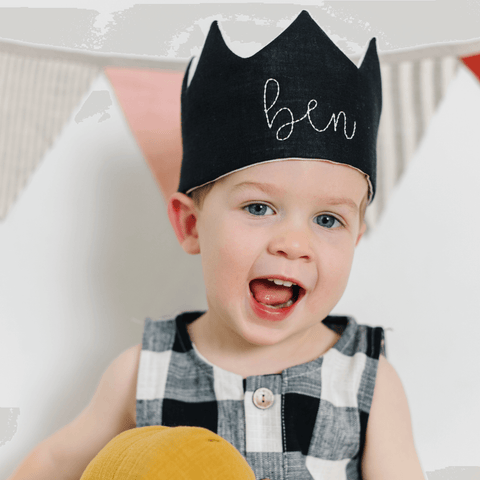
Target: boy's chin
(262, 338)
(258, 333)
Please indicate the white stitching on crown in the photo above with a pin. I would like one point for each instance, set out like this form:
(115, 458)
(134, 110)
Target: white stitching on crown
(312, 105)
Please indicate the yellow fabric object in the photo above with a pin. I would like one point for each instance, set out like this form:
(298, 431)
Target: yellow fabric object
(157, 452)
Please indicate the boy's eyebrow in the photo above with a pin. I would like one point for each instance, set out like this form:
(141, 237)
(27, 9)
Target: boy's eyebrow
(264, 187)
(270, 189)
(347, 202)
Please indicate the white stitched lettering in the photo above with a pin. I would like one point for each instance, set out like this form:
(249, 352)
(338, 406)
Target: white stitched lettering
(312, 105)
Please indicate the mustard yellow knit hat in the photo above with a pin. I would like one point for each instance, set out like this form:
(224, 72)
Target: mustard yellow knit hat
(157, 452)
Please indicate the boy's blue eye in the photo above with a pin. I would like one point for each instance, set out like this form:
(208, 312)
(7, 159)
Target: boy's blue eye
(258, 209)
(327, 221)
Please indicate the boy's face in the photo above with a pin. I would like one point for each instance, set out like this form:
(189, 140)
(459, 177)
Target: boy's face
(294, 220)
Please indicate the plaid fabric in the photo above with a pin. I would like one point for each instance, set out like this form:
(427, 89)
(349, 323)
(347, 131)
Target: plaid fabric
(316, 425)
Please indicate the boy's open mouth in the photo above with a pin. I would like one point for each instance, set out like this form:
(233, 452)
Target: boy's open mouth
(275, 293)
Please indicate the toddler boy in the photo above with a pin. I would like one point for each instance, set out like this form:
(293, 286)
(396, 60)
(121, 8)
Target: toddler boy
(278, 168)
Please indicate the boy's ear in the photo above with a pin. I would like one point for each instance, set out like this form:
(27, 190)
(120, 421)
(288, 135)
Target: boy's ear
(183, 216)
(361, 232)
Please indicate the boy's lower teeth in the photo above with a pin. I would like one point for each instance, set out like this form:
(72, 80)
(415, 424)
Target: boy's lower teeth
(281, 305)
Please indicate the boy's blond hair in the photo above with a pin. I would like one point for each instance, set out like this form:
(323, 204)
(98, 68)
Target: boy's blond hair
(198, 195)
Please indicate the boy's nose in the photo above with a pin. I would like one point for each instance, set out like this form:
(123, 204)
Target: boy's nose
(291, 244)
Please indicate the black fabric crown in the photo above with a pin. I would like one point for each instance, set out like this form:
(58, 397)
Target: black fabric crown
(298, 97)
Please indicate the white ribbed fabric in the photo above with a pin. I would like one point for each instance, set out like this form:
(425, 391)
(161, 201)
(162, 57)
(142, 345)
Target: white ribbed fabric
(413, 84)
(37, 97)
(40, 88)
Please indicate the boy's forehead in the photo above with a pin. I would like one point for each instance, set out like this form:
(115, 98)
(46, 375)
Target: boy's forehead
(318, 178)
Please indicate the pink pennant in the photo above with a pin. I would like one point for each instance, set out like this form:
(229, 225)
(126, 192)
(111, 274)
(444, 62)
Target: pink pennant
(150, 100)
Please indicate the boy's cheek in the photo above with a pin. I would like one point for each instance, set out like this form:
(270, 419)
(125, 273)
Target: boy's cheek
(238, 243)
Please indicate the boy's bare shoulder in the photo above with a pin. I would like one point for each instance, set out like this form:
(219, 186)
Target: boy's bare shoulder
(118, 386)
(389, 448)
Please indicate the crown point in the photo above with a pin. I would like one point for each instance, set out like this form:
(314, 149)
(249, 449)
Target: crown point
(304, 16)
(214, 29)
(305, 13)
(371, 57)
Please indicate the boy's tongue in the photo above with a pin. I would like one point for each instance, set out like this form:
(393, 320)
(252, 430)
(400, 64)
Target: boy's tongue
(270, 294)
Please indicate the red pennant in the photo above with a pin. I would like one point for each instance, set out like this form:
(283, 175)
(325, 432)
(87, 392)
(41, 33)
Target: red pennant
(150, 100)
(473, 63)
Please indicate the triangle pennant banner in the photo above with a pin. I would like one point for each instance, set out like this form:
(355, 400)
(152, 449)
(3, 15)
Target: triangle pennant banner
(37, 97)
(151, 102)
(40, 88)
(412, 88)
(473, 63)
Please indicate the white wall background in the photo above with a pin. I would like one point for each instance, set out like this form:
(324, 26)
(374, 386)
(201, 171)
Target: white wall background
(87, 253)
(417, 273)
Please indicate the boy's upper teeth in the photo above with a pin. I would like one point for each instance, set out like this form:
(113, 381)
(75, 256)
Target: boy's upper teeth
(277, 281)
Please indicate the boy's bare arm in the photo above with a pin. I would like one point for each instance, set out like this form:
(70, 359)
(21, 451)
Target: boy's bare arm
(389, 448)
(66, 454)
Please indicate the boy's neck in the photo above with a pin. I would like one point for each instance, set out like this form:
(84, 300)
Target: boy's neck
(230, 353)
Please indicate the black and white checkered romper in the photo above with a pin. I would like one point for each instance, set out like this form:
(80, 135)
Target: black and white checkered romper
(315, 427)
